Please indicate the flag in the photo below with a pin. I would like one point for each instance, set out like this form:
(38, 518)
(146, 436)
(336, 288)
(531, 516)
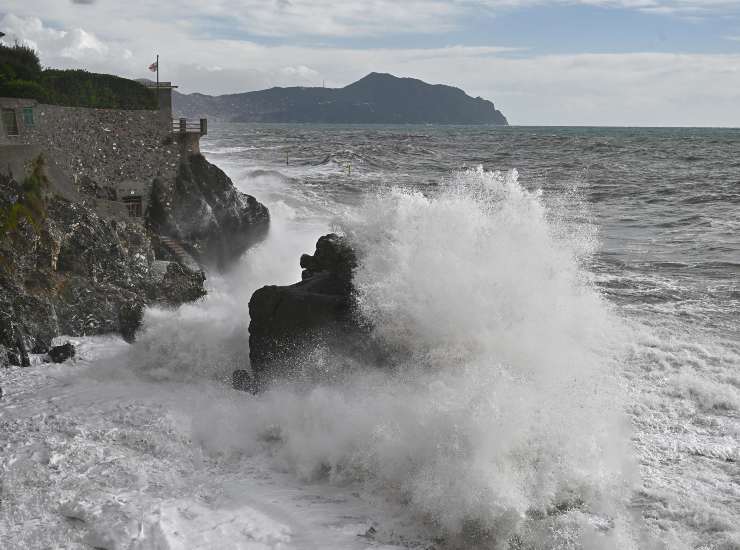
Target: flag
(154, 66)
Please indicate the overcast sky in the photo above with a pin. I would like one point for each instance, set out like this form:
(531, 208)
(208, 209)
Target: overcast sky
(611, 62)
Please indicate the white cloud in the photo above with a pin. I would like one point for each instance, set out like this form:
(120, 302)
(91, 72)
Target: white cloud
(301, 72)
(323, 18)
(637, 88)
(75, 46)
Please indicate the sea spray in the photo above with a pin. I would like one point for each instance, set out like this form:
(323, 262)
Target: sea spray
(209, 338)
(500, 420)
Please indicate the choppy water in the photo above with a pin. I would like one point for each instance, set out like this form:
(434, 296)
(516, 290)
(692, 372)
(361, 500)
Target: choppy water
(651, 215)
(563, 307)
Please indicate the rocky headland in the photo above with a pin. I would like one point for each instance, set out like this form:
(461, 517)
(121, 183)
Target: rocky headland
(74, 262)
(377, 98)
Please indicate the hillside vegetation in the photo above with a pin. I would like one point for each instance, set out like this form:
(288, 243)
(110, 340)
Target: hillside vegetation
(21, 75)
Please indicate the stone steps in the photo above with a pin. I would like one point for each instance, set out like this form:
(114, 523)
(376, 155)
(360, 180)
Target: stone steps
(183, 256)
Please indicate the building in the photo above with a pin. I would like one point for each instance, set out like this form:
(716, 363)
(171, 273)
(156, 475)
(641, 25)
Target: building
(112, 156)
(17, 119)
(164, 94)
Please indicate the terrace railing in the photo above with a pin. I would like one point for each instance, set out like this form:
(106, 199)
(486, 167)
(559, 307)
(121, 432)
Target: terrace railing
(185, 126)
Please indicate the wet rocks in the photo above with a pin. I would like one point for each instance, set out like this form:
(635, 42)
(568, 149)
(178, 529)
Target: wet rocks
(84, 267)
(203, 210)
(242, 380)
(59, 354)
(285, 320)
(130, 316)
(78, 273)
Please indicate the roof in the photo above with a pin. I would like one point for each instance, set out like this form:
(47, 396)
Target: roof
(163, 85)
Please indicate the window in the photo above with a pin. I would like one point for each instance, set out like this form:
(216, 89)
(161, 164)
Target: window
(10, 122)
(28, 116)
(133, 205)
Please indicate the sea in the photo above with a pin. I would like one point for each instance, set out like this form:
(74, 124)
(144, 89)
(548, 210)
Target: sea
(563, 309)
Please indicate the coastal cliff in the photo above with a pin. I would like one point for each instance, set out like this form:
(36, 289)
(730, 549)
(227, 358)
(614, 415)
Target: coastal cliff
(202, 208)
(74, 260)
(375, 99)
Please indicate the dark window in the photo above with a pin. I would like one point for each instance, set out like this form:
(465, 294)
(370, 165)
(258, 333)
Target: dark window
(28, 116)
(10, 122)
(133, 205)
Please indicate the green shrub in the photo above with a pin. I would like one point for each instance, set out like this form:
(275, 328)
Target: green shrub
(21, 76)
(78, 88)
(28, 206)
(19, 62)
(23, 88)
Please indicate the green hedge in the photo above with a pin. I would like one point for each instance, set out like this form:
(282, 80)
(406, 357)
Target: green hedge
(21, 76)
(78, 88)
(24, 88)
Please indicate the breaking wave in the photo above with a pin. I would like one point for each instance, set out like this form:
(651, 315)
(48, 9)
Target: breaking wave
(500, 423)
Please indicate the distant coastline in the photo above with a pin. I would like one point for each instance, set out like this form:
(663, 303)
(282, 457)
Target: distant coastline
(375, 99)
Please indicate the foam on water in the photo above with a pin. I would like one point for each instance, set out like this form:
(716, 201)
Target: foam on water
(482, 294)
(501, 421)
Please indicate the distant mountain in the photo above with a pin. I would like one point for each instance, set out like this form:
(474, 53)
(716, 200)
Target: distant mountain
(377, 98)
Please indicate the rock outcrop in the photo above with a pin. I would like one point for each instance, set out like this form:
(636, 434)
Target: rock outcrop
(286, 321)
(59, 354)
(203, 210)
(73, 272)
(118, 216)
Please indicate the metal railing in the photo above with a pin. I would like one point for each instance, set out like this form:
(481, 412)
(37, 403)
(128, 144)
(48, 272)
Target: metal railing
(185, 126)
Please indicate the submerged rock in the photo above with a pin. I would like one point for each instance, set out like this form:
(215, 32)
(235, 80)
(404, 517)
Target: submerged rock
(286, 321)
(59, 354)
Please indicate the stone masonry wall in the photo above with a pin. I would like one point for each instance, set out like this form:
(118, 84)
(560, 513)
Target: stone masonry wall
(124, 150)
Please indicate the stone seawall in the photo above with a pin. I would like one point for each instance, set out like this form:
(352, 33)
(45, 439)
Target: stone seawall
(121, 150)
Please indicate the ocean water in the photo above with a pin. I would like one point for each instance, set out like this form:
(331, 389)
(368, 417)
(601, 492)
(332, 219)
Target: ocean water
(562, 305)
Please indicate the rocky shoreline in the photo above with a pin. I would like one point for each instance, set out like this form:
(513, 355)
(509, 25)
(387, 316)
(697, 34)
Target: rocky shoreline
(76, 268)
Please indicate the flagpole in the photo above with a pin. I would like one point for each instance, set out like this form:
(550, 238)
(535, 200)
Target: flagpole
(158, 100)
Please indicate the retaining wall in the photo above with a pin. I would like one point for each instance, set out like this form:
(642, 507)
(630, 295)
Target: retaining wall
(118, 149)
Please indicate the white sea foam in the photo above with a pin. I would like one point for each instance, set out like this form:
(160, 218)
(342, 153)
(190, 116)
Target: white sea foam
(502, 418)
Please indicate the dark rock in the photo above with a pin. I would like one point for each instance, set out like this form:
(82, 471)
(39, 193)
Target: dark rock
(287, 319)
(80, 274)
(59, 354)
(180, 285)
(242, 380)
(23, 358)
(83, 267)
(130, 316)
(206, 213)
(333, 255)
